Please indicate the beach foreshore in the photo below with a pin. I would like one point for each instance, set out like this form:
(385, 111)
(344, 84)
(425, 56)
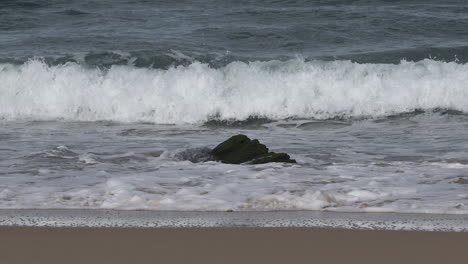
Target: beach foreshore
(228, 245)
(196, 219)
(113, 236)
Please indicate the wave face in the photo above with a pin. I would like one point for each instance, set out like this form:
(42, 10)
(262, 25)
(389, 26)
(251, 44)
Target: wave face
(197, 92)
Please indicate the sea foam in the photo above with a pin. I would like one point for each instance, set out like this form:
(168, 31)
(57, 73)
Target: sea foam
(197, 93)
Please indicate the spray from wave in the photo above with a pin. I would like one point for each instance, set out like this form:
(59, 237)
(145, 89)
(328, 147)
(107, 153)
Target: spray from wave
(197, 93)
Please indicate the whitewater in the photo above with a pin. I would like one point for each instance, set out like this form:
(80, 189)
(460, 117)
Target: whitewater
(367, 137)
(197, 93)
(386, 165)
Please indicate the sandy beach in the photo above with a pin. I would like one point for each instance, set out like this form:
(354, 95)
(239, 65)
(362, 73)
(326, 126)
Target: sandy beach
(113, 236)
(228, 245)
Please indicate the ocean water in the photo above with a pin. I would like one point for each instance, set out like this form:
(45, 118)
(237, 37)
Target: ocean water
(98, 99)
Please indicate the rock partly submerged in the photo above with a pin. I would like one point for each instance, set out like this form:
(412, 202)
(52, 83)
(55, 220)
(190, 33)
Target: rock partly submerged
(238, 149)
(241, 149)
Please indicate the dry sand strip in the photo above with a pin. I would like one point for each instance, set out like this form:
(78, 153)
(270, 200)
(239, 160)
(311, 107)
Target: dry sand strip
(228, 245)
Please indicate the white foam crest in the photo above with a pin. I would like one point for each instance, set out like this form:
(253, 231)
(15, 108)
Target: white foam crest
(196, 93)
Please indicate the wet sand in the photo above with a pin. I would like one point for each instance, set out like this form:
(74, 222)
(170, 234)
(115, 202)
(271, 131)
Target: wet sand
(228, 245)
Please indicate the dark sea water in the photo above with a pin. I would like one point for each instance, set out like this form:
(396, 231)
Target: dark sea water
(154, 33)
(97, 98)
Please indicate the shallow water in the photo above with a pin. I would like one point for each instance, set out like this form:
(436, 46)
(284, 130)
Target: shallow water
(410, 163)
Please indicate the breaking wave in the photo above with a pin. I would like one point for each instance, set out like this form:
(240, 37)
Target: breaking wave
(197, 93)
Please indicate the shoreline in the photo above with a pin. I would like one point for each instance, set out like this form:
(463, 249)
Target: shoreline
(228, 245)
(97, 218)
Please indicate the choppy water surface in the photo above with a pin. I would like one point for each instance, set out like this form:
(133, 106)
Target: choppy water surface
(156, 33)
(413, 163)
(97, 98)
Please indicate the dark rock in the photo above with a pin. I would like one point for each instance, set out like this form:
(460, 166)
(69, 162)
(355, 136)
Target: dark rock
(273, 157)
(461, 181)
(239, 149)
(232, 144)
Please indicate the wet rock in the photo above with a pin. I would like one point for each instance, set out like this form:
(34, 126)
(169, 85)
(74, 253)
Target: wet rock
(273, 157)
(461, 181)
(241, 149)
